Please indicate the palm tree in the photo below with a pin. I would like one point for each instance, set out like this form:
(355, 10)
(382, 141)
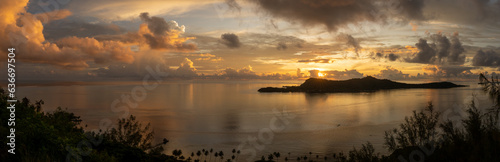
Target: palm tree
(177, 153)
(270, 157)
(198, 154)
(221, 154)
(277, 154)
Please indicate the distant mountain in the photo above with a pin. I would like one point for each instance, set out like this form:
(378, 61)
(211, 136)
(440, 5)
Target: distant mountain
(366, 84)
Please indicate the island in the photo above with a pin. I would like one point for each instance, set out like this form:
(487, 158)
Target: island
(366, 84)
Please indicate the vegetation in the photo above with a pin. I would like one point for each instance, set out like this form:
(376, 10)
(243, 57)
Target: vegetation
(55, 136)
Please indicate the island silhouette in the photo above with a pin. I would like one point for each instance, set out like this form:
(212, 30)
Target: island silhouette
(366, 84)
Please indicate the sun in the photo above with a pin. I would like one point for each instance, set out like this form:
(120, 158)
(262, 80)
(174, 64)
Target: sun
(321, 75)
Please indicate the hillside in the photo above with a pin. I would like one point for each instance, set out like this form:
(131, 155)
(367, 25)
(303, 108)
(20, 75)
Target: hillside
(366, 84)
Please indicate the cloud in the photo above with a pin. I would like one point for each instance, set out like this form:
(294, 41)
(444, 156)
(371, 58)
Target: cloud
(243, 73)
(299, 73)
(442, 51)
(70, 27)
(53, 15)
(24, 31)
(414, 26)
(451, 71)
(315, 61)
(277, 76)
(335, 74)
(163, 35)
(350, 41)
(160, 26)
(135, 70)
(314, 73)
(233, 5)
(392, 57)
(479, 12)
(281, 46)
(486, 58)
(275, 41)
(391, 73)
(455, 57)
(139, 68)
(119, 9)
(230, 40)
(426, 53)
(186, 69)
(334, 14)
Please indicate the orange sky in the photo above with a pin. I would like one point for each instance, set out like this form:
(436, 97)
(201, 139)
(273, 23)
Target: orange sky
(245, 39)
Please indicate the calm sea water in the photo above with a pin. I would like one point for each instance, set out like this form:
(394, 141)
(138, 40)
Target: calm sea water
(222, 115)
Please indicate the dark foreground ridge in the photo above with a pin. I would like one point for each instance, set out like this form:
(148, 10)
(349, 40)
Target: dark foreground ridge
(366, 84)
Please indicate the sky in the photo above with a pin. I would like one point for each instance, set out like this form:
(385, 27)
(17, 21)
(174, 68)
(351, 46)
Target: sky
(109, 40)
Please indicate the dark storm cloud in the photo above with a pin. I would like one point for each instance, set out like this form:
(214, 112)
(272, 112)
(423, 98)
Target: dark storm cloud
(334, 14)
(441, 51)
(486, 58)
(412, 9)
(475, 12)
(164, 35)
(230, 40)
(331, 13)
(451, 71)
(456, 51)
(157, 25)
(338, 13)
(392, 57)
(426, 53)
(442, 45)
